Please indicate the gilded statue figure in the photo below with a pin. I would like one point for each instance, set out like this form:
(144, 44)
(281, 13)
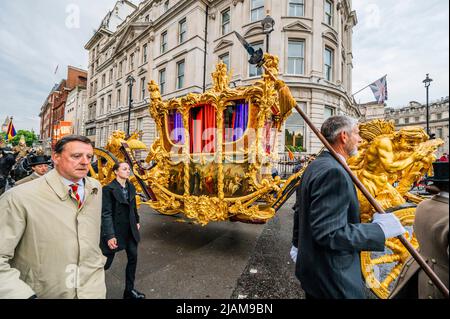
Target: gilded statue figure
(387, 158)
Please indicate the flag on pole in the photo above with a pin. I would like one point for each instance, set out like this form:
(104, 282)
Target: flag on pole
(290, 154)
(56, 70)
(379, 89)
(11, 132)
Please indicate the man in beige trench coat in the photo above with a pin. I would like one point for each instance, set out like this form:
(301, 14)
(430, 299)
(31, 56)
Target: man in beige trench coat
(50, 230)
(431, 227)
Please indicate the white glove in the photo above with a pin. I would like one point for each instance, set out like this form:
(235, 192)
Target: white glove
(293, 252)
(390, 224)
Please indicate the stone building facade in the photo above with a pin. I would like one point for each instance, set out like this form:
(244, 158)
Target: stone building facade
(178, 43)
(76, 110)
(415, 115)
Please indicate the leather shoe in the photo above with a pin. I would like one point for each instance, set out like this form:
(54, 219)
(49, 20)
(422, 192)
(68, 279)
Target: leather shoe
(133, 294)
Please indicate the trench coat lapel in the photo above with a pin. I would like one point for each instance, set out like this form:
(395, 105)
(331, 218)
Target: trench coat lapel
(90, 190)
(55, 182)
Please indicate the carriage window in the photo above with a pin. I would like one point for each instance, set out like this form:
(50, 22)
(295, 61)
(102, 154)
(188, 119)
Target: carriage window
(235, 121)
(202, 129)
(175, 127)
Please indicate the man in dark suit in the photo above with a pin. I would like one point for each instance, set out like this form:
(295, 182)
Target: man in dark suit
(327, 229)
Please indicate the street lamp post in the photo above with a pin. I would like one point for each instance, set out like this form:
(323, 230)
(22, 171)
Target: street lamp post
(427, 82)
(267, 23)
(130, 81)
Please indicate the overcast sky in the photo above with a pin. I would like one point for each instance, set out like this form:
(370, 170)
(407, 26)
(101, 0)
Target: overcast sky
(404, 39)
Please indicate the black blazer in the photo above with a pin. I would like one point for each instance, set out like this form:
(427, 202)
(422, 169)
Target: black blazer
(119, 216)
(328, 232)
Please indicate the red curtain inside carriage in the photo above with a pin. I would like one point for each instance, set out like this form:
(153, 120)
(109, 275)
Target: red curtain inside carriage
(203, 128)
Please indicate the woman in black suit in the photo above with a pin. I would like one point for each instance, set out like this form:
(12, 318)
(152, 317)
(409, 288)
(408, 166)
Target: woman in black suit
(120, 225)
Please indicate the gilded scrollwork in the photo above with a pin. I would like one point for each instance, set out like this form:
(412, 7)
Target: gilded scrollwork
(262, 98)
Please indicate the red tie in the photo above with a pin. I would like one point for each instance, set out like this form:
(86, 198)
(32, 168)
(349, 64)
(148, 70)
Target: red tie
(74, 188)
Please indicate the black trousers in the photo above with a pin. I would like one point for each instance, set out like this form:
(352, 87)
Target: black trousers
(130, 271)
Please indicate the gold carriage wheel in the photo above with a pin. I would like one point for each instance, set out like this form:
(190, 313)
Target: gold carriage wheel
(381, 285)
(101, 169)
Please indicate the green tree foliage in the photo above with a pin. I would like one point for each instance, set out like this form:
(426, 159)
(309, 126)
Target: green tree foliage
(30, 137)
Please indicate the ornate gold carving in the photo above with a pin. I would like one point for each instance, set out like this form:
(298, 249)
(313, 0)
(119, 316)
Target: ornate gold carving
(388, 163)
(263, 101)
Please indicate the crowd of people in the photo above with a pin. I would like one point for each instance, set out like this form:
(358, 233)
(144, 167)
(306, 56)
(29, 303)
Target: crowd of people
(60, 230)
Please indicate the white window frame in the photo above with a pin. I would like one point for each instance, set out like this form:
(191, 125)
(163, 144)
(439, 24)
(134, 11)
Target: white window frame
(226, 25)
(182, 31)
(162, 80)
(297, 59)
(118, 97)
(164, 38)
(328, 70)
(144, 53)
(332, 110)
(143, 88)
(328, 16)
(294, 6)
(181, 77)
(139, 123)
(256, 12)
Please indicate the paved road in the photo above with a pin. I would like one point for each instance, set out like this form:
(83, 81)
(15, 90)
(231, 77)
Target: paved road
(221, 260)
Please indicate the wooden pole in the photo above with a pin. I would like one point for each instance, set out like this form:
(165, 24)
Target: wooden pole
(422, 263)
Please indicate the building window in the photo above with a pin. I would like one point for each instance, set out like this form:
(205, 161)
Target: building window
(120, 68)
(439, 132)
(144, 53)
(147, 18)
(102, 106)
(143, 88)
(103, 80)
(108, 105)
(296, 8)
(225, 58)
(257, 10)
(90, 131)
(129, 99)
(253, 70)
(416, 119)
(328, 111)
(180, 74)
(226, 21)
(110, 76)
(406, 120)
(164, 42)
(295, 130)
(438, 116)
(115, 126)
(131, 62)
(125, 126)
(397, 121)
(329, 12)
(182, 27)
(328, 64)
(296, 56)
(166, 6)
(162, 81)
(139, 124)
(119, 93)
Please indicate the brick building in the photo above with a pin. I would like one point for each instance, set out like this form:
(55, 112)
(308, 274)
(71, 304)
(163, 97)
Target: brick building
(52, 111)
